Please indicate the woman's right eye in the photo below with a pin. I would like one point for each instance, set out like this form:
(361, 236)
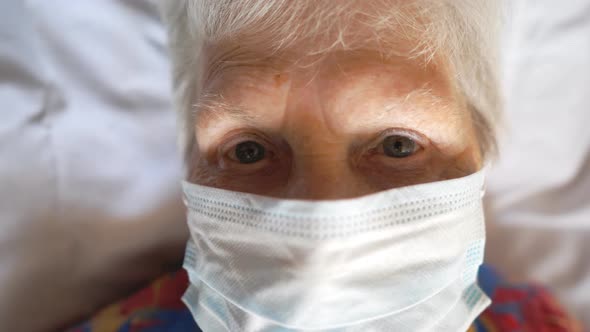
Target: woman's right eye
(248, 152)
(399, 146)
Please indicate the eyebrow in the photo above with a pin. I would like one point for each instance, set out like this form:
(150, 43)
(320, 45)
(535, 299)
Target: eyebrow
(425, 94)
(212, 107)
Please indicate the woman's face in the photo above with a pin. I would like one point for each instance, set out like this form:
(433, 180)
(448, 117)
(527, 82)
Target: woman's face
(354, 124)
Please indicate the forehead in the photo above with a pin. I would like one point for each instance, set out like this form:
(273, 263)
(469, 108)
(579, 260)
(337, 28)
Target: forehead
(232, 66)
(358, 91)
(317, 27)
(240, 71)
(303, 33)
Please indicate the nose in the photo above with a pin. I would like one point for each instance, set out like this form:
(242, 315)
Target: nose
(321, 179)
(321, 167)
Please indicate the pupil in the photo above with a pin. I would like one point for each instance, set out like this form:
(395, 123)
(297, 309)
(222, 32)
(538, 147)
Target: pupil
(399, 146)
(249, 152)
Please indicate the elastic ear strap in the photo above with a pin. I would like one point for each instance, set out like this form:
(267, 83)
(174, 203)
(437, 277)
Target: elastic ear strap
(485, 170)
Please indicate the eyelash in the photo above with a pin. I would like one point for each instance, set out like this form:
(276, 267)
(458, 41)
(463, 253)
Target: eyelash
(227, 147)
(377, 142)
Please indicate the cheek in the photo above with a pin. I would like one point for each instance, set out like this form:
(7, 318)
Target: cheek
(199, 170)
(266, 182)
(430, 165)
(465, 162)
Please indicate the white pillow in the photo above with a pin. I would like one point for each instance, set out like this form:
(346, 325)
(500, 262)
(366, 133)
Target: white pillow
(90, 207)
(539, 191)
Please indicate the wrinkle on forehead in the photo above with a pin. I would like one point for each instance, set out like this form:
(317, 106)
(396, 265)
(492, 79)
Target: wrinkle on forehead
(317, 27)
(212, 107)
(409, 83)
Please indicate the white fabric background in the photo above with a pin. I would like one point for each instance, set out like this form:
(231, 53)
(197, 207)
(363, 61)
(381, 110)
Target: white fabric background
(539, 191)
(89, 173)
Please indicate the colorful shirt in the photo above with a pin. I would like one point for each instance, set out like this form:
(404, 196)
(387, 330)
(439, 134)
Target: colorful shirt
(158, 308)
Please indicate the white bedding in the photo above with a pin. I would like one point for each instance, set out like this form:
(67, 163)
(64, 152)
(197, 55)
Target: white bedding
(539, 191)
(89, 174)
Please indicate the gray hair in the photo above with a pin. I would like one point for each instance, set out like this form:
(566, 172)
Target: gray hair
(463, 32)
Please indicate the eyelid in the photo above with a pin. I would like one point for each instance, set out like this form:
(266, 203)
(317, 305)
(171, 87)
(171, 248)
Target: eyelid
(232, 139)
(420, 139)
(236, 138)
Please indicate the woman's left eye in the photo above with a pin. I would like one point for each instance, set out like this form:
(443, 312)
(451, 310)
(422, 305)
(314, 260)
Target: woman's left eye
(399, 146)
(248, 152)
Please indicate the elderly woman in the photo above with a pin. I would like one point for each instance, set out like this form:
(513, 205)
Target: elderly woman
(334, 100)
(335, 155)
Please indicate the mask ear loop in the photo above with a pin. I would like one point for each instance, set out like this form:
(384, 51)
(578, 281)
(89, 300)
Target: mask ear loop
(486, 170)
